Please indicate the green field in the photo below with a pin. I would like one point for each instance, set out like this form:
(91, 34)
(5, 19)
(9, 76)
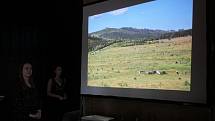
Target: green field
(129, 66)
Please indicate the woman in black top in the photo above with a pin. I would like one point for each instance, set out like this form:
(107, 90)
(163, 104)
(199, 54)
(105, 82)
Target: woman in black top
(57, 94)
(27, 105)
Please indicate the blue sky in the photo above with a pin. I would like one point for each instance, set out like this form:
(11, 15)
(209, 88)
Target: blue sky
(158, 14)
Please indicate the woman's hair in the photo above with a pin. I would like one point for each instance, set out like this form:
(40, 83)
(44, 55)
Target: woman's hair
(54, 67)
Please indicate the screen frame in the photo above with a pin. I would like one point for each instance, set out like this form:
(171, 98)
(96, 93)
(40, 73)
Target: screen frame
(199, 58)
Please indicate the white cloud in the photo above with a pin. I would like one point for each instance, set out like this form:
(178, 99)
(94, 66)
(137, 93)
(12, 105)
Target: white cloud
(119, 12)
(95, 16)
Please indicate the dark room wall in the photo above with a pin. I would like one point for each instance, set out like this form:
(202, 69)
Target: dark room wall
(126, 109)
(46, 33)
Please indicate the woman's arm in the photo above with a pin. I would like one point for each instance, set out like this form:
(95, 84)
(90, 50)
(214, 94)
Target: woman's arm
(49, 93)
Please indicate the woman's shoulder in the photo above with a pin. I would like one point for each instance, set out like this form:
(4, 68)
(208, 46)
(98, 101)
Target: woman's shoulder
(51, 81)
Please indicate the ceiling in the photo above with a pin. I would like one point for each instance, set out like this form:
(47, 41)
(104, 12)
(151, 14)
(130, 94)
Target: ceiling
(87, 2)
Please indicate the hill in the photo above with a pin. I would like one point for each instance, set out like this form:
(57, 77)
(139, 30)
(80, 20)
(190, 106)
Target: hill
(108, 36)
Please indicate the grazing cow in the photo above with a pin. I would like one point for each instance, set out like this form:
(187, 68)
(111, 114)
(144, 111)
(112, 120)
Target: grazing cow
(177, 72)
(152, 72)
(163, 72)
(141, 72)
(158, 72)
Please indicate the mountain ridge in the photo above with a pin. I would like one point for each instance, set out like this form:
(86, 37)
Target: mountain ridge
(130, 33)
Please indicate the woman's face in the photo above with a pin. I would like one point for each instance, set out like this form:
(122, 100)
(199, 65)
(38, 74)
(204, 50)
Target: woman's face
(27, 70)
(58, 71)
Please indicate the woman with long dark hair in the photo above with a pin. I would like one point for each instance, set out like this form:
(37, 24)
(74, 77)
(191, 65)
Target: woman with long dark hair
(57, 94)
(27, 105)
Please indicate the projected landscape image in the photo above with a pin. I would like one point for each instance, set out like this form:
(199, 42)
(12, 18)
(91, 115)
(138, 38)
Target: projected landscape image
(146, 46)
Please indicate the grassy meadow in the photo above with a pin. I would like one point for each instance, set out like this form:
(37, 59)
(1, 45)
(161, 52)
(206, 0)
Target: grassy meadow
(128, 66)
